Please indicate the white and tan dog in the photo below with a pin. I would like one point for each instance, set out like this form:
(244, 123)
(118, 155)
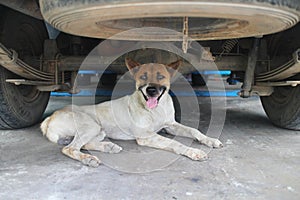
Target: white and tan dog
(136, 117)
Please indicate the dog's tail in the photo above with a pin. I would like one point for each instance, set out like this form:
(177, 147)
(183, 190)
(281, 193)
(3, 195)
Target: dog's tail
(44, 125)
(53, 136)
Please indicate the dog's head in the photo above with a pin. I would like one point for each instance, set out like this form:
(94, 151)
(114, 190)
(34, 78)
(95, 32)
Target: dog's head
(152, 80)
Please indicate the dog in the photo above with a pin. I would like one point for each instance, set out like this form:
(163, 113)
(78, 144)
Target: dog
(135, 117)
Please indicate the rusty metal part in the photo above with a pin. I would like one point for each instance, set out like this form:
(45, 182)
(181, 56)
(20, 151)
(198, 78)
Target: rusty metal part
(28, 7)
(233, 63)
(227, 46)
(208, 20)
(51, 88)
(73, 63)
(260, 90)
(249, 74)
(279, 83)
(289, 69)
(9, 59)
(207, 55)
(28, 82)
(41, 85)
(185, 37)
(267, 88)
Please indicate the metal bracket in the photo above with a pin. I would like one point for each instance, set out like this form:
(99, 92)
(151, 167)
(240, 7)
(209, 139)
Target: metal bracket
(261, 90)
(43, 85)
(280, 83)
(249, 74)
(27, 82)
(267, 88)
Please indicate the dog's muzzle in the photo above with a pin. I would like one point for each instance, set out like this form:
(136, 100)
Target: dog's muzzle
(153, 93)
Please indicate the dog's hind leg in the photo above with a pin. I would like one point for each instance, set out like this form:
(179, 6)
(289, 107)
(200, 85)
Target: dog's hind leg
(107, 147)
(73, 151)
(86, 130)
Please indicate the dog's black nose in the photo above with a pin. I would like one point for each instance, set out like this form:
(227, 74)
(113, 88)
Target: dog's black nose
(151, 91)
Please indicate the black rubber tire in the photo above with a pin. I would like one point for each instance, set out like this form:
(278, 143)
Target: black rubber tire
(108, 80)
(198, 80)
(21, 106)
(219, 19)
(283, 107)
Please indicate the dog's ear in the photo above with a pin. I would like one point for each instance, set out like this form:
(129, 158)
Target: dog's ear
(173, 67)
(132, 65)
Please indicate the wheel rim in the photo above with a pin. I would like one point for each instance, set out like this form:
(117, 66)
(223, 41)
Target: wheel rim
(209, 20)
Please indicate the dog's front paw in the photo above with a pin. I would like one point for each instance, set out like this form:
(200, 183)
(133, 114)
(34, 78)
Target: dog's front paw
(196, 154)
(112, 148)
(212, 142)
(91, 161)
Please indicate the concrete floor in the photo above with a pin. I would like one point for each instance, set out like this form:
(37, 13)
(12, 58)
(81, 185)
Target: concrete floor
(258, 161)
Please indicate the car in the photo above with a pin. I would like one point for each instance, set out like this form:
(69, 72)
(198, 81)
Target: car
(43, 43)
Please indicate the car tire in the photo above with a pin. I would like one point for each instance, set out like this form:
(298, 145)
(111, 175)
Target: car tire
(109, 79)
(208, 20)
(283, 107)
(198, 80)
(21, 105)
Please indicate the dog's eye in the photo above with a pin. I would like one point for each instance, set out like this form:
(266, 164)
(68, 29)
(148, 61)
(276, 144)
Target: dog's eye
(144, 77)
(160, 77)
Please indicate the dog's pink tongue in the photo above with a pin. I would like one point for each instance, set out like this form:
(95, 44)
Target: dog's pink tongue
(152, 102)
